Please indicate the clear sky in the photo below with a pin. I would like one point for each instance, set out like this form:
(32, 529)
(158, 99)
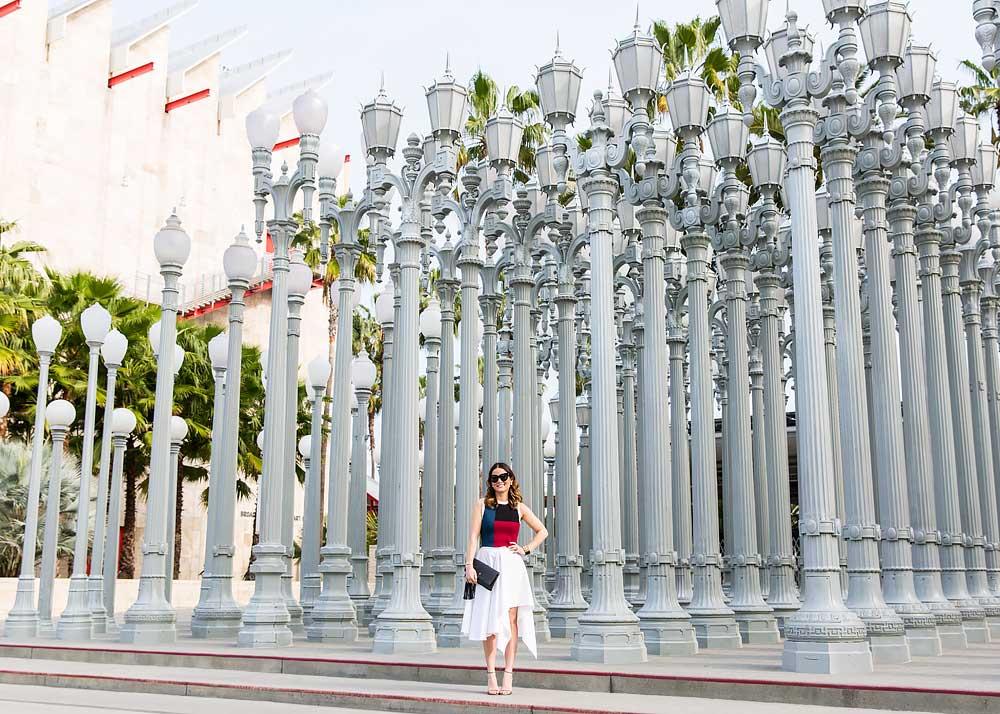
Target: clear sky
(408, 41)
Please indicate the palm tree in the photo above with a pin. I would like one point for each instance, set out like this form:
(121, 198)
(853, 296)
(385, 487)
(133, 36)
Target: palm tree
(694, 46)
(484, 101)
(21, 286)
(982, 96)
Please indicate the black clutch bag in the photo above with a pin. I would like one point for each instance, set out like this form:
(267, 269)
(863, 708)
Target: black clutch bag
(470, 591)
(485, 575)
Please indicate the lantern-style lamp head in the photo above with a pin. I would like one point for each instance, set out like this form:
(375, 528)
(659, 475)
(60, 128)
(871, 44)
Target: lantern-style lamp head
(777, 45)
(430, 321)
(331, 161)
(727, 135)
(46, 333)
(766, 160)
(239, 260)
(363, 371)
(885, 30)
(309, 111)
(122, 421)
(262, 129)
(172, 245)
(178, 429)
(96, 322)
(942, 109)
(218, 351)
(60, 414)
(687, 97)
(915, 76)
(114, 347)
(965, 140)
(558, 84)
(743, 21)
(446, 101)
(822, 209)
(380, 121)
(503, 137)
(300, 275)
(985, 169)
(384, 307)
(545, 167)
(638, 62)
(319, 372)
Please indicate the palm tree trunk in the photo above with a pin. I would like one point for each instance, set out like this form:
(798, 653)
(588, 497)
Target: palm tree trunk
(126, 563)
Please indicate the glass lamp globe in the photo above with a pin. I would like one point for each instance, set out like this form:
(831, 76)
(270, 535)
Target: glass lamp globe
(60, 413)
(154, 337)
(728, 134)
(4, 405)
(916, 74)
(943, 106)
(422, 408)
(319, 372)
(46, 333)
(178, 429)
(638, 60)
(446, 101)
(430, 321)
(985, 169)
(239, 260)
(965, 140)
(309, 111)
(300, 275)
(766, 160)
(457, 410)
(743, 20)
(179, 354)
(377, 452)
(172, 245)
(554, 406)
(549, 449)
(354, 399)
(114, 348)
(263, 361)
(122, 421)
(503, 136)
(331, 161)
(262, 129)
(95, 321)
(305, 444)
(384, 307)
(363, 372)
(260, 440)
(558, 84)
(218, 351)
(546, 425)
(885, 30)
(380, 121)
(688, 97)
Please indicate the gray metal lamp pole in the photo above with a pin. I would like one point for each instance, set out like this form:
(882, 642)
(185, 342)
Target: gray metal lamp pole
(112, 352)
(178, 433)
(122, 425)
(823, 636)
(430, 328)
(363, 375)
(75, 622)
(59, 415)
(217, 615)
(151, 618)
(22, 620)
(266, 618)
(312, 516)
(909, 180)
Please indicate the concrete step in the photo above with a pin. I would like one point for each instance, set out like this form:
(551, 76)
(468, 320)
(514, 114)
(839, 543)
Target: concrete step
(365, 694)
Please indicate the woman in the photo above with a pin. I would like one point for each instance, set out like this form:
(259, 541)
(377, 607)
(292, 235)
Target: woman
(498, 616)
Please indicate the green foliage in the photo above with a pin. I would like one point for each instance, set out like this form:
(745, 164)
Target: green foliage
(982, 96)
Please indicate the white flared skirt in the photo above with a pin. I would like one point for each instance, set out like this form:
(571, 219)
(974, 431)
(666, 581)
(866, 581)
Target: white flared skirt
(488, 613)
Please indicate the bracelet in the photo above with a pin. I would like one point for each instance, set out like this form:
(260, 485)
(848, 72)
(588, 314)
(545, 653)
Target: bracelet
(527, 550)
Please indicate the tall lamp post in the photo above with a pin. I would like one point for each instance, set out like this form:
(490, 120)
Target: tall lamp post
(75, 622)
(112, 352)
(217, 615)
(151, 619)
(59, 415)
(318, 374)
(122, 425)
(266, 618)
(178, 433)
(430, 328)
(363, 375)
(22, 620)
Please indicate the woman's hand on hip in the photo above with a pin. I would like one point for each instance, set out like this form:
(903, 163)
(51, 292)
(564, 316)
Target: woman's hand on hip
(515, 548)
(470, 574)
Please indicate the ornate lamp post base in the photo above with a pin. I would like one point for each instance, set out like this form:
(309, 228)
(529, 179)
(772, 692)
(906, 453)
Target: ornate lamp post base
(921, 634)
(889, 646)
(564, 618)
(757, 627)
(973, 622)
(75, 624)
(607, 642)
(265, 620)
(149, 622)
(333, 615)
(22, 621)
(949, 625)
(668, 634)
(716, 631)
(217, 616)
(826, 657)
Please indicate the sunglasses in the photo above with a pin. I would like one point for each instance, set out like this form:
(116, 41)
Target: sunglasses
(498, 477)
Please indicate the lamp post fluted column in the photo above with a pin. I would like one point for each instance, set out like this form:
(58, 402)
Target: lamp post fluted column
(217, 347)
(178, 433)
(758, 435)
(217, 614)
(151, 618)
(489, 304)
(113, 352)
(432, 474)
(59, 414)
(312, 509)
(123, 422)
(680, 462)
(823, 636)
(357, 503)
(992, 372)
(22, 620)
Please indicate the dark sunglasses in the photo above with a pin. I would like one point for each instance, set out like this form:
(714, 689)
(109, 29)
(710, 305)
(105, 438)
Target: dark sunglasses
(498, 477)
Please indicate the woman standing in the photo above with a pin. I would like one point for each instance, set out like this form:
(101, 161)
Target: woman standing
(498, 616)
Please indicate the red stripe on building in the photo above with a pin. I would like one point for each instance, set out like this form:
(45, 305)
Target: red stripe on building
(184, 101)
(10, 7)
(285, 144)
(131, 74)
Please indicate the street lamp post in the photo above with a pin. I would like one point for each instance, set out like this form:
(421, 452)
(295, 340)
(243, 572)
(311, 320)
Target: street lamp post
(430, 328)
(112, 352)
(22, 620)
(178, 433)
(59, 415)
(363, 377)
(217, 615)
(75, 622)
(151, 619)
(122, 425)
(266, 618)
(312, 516)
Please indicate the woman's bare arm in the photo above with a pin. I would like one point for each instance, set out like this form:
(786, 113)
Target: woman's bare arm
(475, 524)
(541, 533)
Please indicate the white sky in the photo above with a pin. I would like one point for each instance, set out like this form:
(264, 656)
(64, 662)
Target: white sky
(408, 40)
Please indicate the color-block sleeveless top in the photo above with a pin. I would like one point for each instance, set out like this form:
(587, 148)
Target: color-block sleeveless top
(500, 526)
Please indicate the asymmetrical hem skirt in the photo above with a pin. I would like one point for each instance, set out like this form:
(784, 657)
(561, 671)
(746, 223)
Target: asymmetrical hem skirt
(488, 613)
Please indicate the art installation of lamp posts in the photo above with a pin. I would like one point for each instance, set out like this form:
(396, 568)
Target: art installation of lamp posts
(667, 290)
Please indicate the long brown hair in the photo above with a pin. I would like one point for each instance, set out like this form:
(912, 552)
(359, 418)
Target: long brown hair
(513, 493)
